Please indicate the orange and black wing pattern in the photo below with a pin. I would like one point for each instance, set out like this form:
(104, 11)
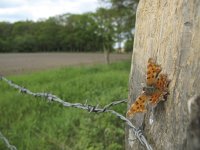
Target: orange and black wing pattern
(161, 91)
(155, 97)
(139, 105)
(162, 82)
(156, 89)
(153, 70)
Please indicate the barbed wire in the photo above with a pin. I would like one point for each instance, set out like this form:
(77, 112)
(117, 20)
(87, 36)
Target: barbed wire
(50, 97)
(5, 140)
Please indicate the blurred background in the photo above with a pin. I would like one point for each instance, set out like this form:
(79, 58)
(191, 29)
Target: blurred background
(57, 47)
(67, 26)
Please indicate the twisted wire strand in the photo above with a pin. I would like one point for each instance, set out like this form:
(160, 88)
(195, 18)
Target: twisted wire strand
(138, 133)
(5, 140)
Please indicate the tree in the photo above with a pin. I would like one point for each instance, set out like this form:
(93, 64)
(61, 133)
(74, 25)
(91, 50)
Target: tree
(99, 31)
(123, 12)
(170, 34)
(5, 31)
(47, 35)
(105, 30)
(79, 32)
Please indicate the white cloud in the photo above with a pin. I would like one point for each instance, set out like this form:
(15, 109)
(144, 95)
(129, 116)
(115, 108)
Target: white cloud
(14, 10)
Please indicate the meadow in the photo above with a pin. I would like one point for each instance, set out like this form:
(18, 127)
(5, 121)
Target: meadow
(32, 123)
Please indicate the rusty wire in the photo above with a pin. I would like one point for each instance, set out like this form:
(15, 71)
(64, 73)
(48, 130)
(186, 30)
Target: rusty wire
(50, 97)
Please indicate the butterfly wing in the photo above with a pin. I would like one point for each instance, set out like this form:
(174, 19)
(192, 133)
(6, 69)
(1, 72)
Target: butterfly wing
(162, 82)
(155, 97)
(161, 89)
(156, 90)
(152, 72)
(139, 105)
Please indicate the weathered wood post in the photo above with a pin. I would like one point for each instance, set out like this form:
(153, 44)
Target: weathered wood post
(168, 31)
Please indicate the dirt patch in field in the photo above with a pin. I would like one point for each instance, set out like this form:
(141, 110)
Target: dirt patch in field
(18, 63)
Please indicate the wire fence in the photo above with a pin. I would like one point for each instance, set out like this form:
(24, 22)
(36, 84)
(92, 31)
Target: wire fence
(5, 140)
(106, 109)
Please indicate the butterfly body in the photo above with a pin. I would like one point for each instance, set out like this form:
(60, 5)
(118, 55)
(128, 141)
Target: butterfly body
(149, 90)
(156, 89)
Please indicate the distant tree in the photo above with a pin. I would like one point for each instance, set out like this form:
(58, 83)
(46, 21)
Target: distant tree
(124, 13)
(47, 33)
(128, 46)
(80, 30)
(25, 43)
(5, 30)
(98, 31)
(105, 30)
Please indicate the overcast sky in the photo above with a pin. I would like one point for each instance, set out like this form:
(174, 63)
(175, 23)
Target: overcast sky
(15, 10)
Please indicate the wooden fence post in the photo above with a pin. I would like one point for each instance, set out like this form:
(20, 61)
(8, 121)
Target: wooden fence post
(168, 31)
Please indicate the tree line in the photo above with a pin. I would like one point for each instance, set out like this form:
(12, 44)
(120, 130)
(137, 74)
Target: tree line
(88, 32)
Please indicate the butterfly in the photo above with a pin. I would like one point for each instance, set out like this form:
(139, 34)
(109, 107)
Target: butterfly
(152, 72)
(156, 89)
(139, 105)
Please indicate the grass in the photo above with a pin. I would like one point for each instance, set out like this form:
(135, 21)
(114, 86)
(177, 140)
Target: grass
(33, 124)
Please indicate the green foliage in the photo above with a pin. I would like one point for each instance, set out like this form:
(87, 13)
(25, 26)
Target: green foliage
(96, 31)
(77, 33)
(106, 29)
(123, 14)
(128, 46)
(33, 124)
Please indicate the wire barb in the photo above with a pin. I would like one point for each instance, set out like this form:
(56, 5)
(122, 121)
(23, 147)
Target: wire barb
(89, 108)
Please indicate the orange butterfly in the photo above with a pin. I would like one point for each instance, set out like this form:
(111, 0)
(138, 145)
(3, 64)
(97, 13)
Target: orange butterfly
(156, 89)
(152, 72)
(139, 105)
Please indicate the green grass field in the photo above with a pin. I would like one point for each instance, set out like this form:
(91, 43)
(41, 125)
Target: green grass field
(32, 123)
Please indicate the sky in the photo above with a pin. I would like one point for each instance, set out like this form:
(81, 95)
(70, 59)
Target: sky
(16, 10)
